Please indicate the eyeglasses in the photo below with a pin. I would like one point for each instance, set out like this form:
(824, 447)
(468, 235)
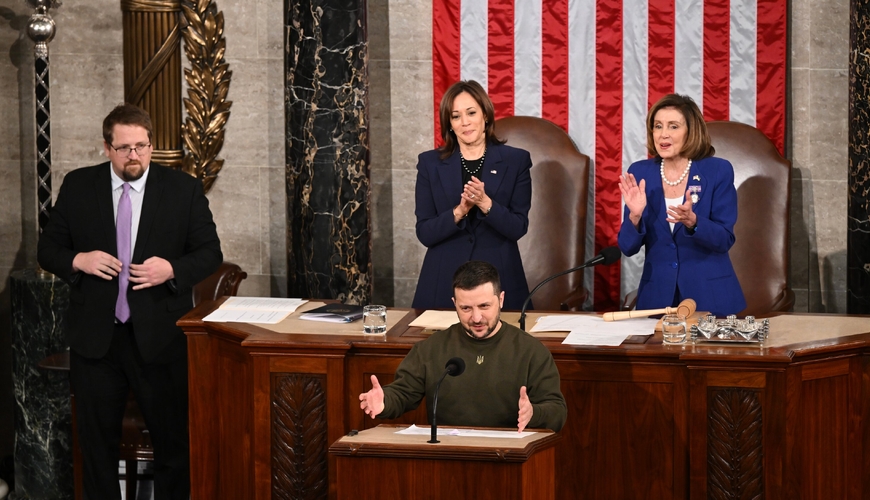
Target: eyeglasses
(126, 150)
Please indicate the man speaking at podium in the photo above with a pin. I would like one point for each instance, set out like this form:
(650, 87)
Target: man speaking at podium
(511, 379)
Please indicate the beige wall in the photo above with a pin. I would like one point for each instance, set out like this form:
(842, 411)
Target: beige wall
(819, 111)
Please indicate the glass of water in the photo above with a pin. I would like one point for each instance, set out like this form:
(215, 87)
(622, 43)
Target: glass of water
(674, 328)
(375, 320)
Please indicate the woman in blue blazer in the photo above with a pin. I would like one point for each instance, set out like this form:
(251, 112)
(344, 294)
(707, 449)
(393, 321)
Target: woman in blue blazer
(681, 206)
(473, 197)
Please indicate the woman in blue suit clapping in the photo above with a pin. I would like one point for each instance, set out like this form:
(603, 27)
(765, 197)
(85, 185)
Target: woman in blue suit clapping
(473, 197)
(681, 206)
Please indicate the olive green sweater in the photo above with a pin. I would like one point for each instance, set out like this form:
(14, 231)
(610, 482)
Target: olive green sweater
(487, 394)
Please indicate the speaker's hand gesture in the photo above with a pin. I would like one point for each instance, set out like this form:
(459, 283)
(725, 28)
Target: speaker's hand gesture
(526, 410)
(372, 402)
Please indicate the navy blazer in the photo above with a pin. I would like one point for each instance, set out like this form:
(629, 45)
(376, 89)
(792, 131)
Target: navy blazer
(175, 224)
(696, 261)
(491, 238)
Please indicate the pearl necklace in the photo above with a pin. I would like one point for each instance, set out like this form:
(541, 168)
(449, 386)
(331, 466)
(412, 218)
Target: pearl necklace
(678, 181)
(479, 165)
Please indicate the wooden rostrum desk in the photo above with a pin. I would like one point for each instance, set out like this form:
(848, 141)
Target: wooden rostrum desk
(645, 420)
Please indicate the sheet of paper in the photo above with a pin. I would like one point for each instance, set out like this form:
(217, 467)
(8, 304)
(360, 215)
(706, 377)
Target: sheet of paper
(436, 320)
(593, 324)
(600, 339)
(588, 329)
(448, 431)
(264, 310)
(262, 304)
(237, 316)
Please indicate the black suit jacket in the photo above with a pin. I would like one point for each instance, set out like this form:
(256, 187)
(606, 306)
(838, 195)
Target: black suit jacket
(175, 224)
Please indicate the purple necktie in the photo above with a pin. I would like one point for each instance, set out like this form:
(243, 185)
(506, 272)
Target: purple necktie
(122, 230)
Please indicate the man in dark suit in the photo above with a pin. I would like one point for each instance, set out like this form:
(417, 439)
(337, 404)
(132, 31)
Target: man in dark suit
(131, 238)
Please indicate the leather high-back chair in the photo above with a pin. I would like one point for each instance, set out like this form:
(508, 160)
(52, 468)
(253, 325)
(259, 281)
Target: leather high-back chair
(135, 439)
(760, 254)
(556, 239)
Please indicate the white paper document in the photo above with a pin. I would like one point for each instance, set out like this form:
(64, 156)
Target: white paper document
(588, 329)
(262, 304)
(265, 310)
(448, 431)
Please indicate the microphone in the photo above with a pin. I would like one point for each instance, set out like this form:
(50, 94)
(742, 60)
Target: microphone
(607, 256)
(454, 368)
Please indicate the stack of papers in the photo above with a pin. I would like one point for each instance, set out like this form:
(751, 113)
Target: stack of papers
(266, 310)
(587, 329)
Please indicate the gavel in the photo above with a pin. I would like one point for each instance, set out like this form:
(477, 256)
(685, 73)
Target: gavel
(685, 308)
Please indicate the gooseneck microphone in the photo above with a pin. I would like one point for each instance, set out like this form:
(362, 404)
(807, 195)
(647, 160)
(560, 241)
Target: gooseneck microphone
(454, 367)
(607, 256)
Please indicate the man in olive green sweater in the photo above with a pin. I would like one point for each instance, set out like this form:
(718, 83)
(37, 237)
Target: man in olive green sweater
(510, 377)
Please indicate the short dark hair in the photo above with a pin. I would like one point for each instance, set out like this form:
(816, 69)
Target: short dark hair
(474, 273)
(475, 90)
(698, 143)
(126, 114)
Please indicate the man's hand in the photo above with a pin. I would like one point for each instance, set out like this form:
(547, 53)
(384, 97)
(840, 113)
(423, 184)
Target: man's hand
(97, 263)
(372, 402)
(526, 410)
(154, 271)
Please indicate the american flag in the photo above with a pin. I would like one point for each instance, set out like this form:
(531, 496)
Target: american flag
(594, 67)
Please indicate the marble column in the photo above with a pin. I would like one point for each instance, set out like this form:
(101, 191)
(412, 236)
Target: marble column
(43, 420)
(858, 244)
(327, 148)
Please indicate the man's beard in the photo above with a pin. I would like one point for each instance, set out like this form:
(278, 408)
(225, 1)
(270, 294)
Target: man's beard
(132, 175)
(489, 329)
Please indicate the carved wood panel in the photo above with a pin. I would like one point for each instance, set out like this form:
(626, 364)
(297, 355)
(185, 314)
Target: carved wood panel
(734, 444)
(299, 437)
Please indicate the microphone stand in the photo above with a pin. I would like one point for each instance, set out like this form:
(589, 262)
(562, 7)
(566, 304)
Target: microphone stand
(454, 367)
(551, 278)
(434, 436)
(607, 256)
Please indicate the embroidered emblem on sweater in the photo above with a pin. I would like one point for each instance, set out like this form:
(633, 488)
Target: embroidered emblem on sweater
(480, 360)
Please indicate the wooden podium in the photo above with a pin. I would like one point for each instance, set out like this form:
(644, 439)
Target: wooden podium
(377, 463)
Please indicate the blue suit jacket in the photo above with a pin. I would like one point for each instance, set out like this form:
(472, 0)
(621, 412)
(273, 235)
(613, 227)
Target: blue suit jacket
(696, 262)
(491, 238)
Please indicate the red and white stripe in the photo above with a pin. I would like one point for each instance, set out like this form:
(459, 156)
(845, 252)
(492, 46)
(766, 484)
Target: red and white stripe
(594, 67)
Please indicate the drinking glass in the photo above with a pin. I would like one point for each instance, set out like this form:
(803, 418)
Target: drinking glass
(374, 320)
(674, 328)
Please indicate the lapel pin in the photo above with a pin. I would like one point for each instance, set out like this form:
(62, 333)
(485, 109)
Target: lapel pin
(695, 190)
(493, 172)
(696, 178)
